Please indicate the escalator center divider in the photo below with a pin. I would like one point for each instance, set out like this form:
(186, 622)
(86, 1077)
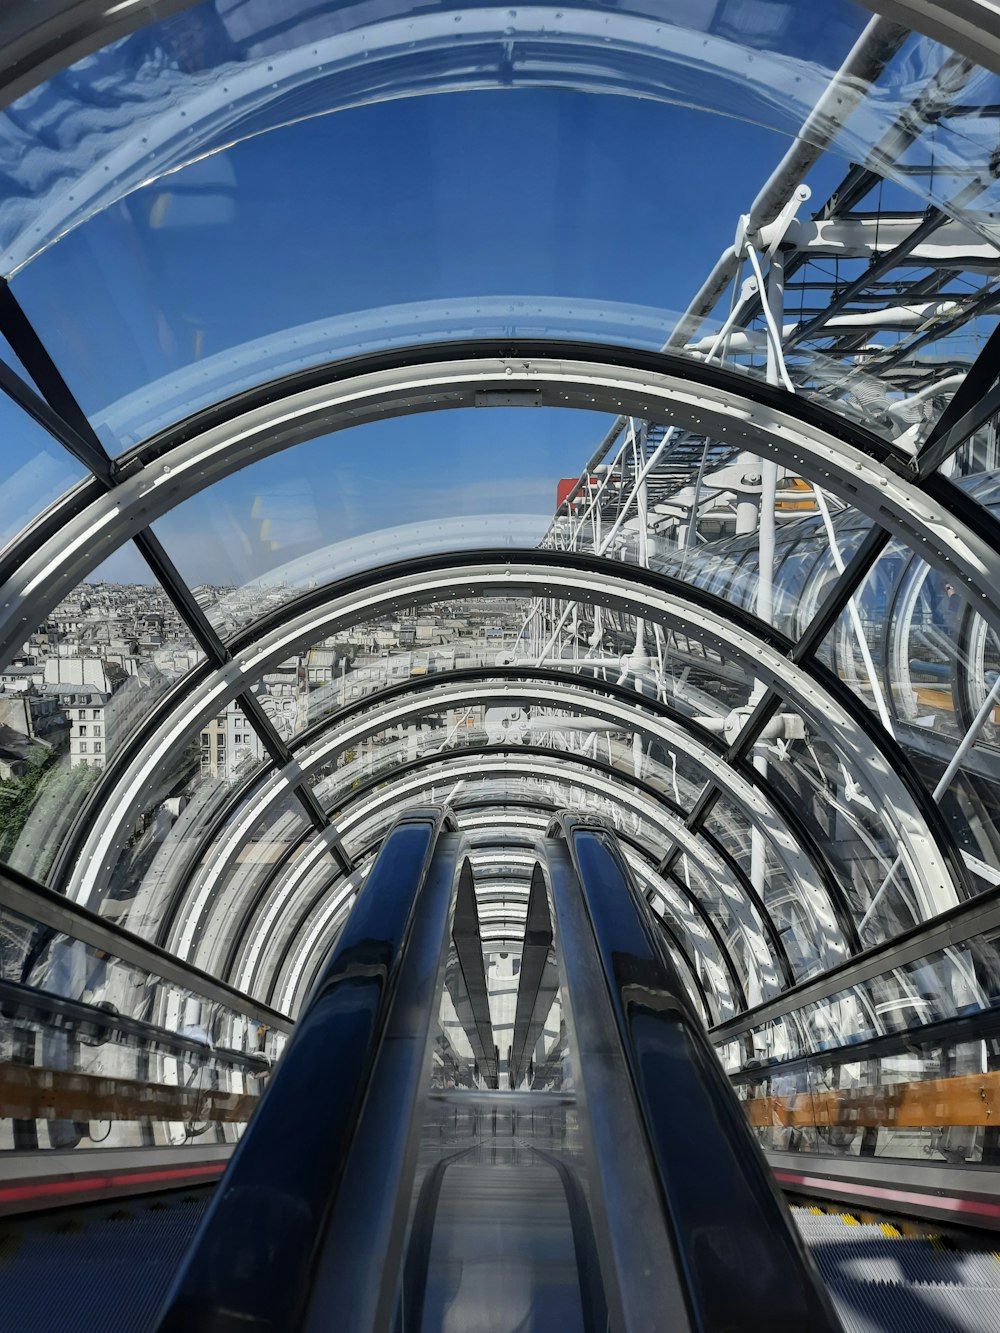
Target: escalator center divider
(741, 1262)
(262, 1246)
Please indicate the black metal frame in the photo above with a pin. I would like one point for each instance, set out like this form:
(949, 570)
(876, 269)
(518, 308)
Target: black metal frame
(603, 930)
(57, 410)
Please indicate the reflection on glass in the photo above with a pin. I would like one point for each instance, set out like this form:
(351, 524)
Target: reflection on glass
(369, 496)
(97, 1051)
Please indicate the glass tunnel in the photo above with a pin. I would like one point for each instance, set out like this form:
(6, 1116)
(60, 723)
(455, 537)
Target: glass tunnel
(500, 665)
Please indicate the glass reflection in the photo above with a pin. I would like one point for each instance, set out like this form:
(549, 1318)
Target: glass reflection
(151, 1061)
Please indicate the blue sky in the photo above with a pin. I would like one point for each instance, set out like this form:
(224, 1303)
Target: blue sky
(540, 192)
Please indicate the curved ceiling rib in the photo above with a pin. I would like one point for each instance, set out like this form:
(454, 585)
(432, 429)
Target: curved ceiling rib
(743, 933)
(488, 685)
(738, 903)
(932, 862)
(512, 765)
(732, 869)
(805, 861)
(953, 534)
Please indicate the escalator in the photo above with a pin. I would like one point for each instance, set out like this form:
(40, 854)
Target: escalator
(362, 1196)
(426, 1157)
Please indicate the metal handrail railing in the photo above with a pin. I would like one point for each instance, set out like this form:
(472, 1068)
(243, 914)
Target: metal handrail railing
(36, 903)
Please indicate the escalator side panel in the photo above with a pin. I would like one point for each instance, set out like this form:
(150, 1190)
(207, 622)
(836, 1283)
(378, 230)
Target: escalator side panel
(472, 1003)
(538, 981)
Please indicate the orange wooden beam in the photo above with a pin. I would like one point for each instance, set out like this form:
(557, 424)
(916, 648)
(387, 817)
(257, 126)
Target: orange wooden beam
(970, 1099)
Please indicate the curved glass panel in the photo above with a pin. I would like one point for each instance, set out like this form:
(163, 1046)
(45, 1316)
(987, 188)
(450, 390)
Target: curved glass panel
(182, 89)
(294, 976)
(504, 234)
(223, 897)
(371, 495)
(931, 674)
(34, 469)
(194, 121)
(84, 682)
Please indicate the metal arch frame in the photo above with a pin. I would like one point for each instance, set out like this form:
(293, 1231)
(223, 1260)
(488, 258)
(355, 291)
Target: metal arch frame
(185, 919)
(430, 762)
(218, 818)
(637, 591)
(581, 684)
(280, 979)
(720, 395)
(674, 729)
(661, 800)
(692, 404)
(516, 762)
(648, 861)
(969, 26)
(749, 796)
(57, 410)
(282, 891)
(804, 435)
(642, 853)
(293, 982)
(435, 765)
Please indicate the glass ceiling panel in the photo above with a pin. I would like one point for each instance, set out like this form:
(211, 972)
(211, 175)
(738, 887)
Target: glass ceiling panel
(194, 817)
(179, 90)
(928, 667)
(386, 491)
(204, 282)
(201, 280)
(294, 977)
(34, 469)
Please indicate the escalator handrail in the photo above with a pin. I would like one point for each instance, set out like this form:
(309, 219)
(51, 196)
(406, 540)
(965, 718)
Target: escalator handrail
(254, 1259)
(18, 1001)
(736, 1246)
(43, 907)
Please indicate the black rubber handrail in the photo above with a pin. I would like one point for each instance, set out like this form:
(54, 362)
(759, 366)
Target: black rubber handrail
(741, 1261)
(256, 1260)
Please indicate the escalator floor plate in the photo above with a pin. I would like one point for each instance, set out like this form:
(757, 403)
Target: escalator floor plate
(100, 1268)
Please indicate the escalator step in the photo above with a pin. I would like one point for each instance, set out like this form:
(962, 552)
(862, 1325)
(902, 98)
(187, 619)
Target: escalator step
(891, 1308)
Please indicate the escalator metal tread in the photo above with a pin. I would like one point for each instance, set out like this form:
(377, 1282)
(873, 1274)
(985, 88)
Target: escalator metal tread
(885, 1283)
